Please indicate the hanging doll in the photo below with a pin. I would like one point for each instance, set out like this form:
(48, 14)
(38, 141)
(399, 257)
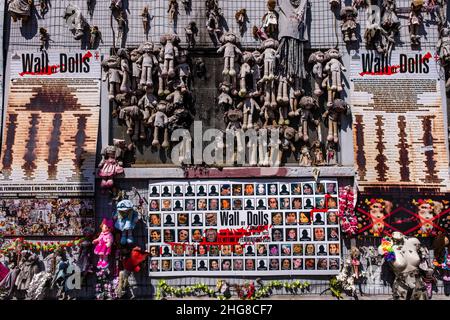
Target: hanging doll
(231, 52)
(90, 7)
(270, 105)
(125, 85)
(20, 9)
(270, 20)
(283, 100)
(28, 267)
(95, 38)
(169, 54)
(233, 119)
(317, 58)
(317, 151)
(112, 74)
(131, 265)
(110, 166)
(390, 24)
(173, 10)
(241, 19)
(305, 157)
(245, 73)
(182, 69)
(44, 38)
(213, 25)
(147, 61)
(145, 21)
(335, 4)
(307, 105)
(104, 243)
(349, 26)
(134, 117)
(136, 70)
(248, 107)
(331, 153)
(357, 268)
(269, 55)
(289, 137)
(148, 103)
(443, 46)
(441, 247)
(75, 21)
(191, 31)
(333, 113)
(159, 120)
(415, 20)
(126, 219)
(333, 68)
(224, 100)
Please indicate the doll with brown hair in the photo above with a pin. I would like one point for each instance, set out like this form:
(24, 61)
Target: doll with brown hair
(357, 268)
(441, 247)
(426, 210)
(415, 20)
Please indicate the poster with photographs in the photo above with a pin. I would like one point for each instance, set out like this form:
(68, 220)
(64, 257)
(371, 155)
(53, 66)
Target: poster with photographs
(47, 217)
(243, 228)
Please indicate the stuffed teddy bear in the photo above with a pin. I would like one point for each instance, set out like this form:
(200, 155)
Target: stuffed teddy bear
(104, 243)
(348, 27)
(110, 166)
(308, 105)
(317, 58)
(169, 54)
(126, 218)
(231, 53)
(159, 120)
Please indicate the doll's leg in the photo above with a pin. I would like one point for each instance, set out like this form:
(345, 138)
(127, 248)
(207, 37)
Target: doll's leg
(226, 66)
(165, 68)
(166, 138)
(149, 80)
(338, 81)
(334, 83)
(124, 87)
(129, 234)
(270, 70)
(111, 91)
(232, 71)
(155, 142)
(160, 86)
(252, 146)
(171, 69)
(285, 92)
(129, 123)
(244, 125)
(293, 107)
(266, 70)
(142, 134)
(273, 102)
(280, 92)
(305, 130)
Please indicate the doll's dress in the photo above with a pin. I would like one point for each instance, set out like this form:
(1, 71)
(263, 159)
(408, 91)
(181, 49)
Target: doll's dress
(101, 248)
(110, 168)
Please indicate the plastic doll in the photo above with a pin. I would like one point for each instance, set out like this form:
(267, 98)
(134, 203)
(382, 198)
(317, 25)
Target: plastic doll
(191, 32)
(104, 243)
(126, 219)
(110, 166)
(357, 268)
(95, 37)
(333, 113)
(169, 53)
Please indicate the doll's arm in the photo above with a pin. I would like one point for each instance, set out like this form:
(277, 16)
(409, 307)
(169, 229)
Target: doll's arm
(109, 240)
(220, 50)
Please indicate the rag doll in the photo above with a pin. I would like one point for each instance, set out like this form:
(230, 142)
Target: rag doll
(104, 243)
(110, 166)
(231, 52)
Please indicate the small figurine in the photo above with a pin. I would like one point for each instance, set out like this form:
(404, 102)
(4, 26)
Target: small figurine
(173, 10)
(415, 20)
(110, 165)
(147, 61)
(233, 119)
(44, 37)
(348, 27)
(248, 107)
(91, 7)
(270, 20)
(104, 243)
(307, 105)
(136, 69)
(289, 137)
(357, 268)
(75, 21)
(317, 58)
(146, 21)
(331, 153)
(20, 9)
(231, 51)
(305, 157)
(95, 38)
(126, 218)
(43, 5)
(134, 118)
(333, 113)
(191, 32)
(333, 68)
(169, 53)
(159, 120)
(241, 19)
(317, 151)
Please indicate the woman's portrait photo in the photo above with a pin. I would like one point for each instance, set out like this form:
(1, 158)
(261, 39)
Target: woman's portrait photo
(226, 265)
(331, 188)
(332, 203)
(197, 219)
(237, 189)
(273, 203)
(310, 250)
(166, 205)
(197, 235)
(213, 190)
(213, 265)
(225, 204)
(155, 235)
(286, 249)
(183, 235)
(178, 250)
(297, 264)
(155, 220)
(322, 264)
(211, 235)
(291, 218)
(320, 203)
(285, 203)
(189, 204)
(310, 264)
(166, 265)
(214, 251)
(273, 189)
(238, 264)
(277, 218)
(183, 219)
(320, 188)
(189, 191)
(238, 250)
(296, 189)
(202, 250)
(277, 235)
(190, 250)
(274, 264)
(285, 264)
(333, 264)
(319, 218)
(154, 191)
(154, 266)
(169, 219)
(261, 189)
(166, 191)
(333, 249)
(297, 249)
(190, 264)
(225, 250)
(261, 249)
(274, 250)
(249, 190)
(333, 234)
(178, 265)
(154, 251)
(249, 264)
(169, 235)
(307, 189)
(225, 190)
(154, 205)
(291, 234)
(211, 218)
(237, 204)
(332, 218)
(201, 192)
(201, 204)
(304, 218)
(319, 234)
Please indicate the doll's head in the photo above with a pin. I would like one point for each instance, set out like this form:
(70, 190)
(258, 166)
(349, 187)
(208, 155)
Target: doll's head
(229, 37)
(308, 103)
(332, 54)
(271, 4)
(270, 43)
(355, 253)
(316, 57)
(289, 133)
(107, 225)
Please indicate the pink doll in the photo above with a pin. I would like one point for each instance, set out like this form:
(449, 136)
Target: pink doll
(104, 243)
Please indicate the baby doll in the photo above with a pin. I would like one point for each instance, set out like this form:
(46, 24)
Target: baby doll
(103, 243)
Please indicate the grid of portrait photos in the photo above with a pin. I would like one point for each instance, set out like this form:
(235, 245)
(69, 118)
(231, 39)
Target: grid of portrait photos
(187, 220)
